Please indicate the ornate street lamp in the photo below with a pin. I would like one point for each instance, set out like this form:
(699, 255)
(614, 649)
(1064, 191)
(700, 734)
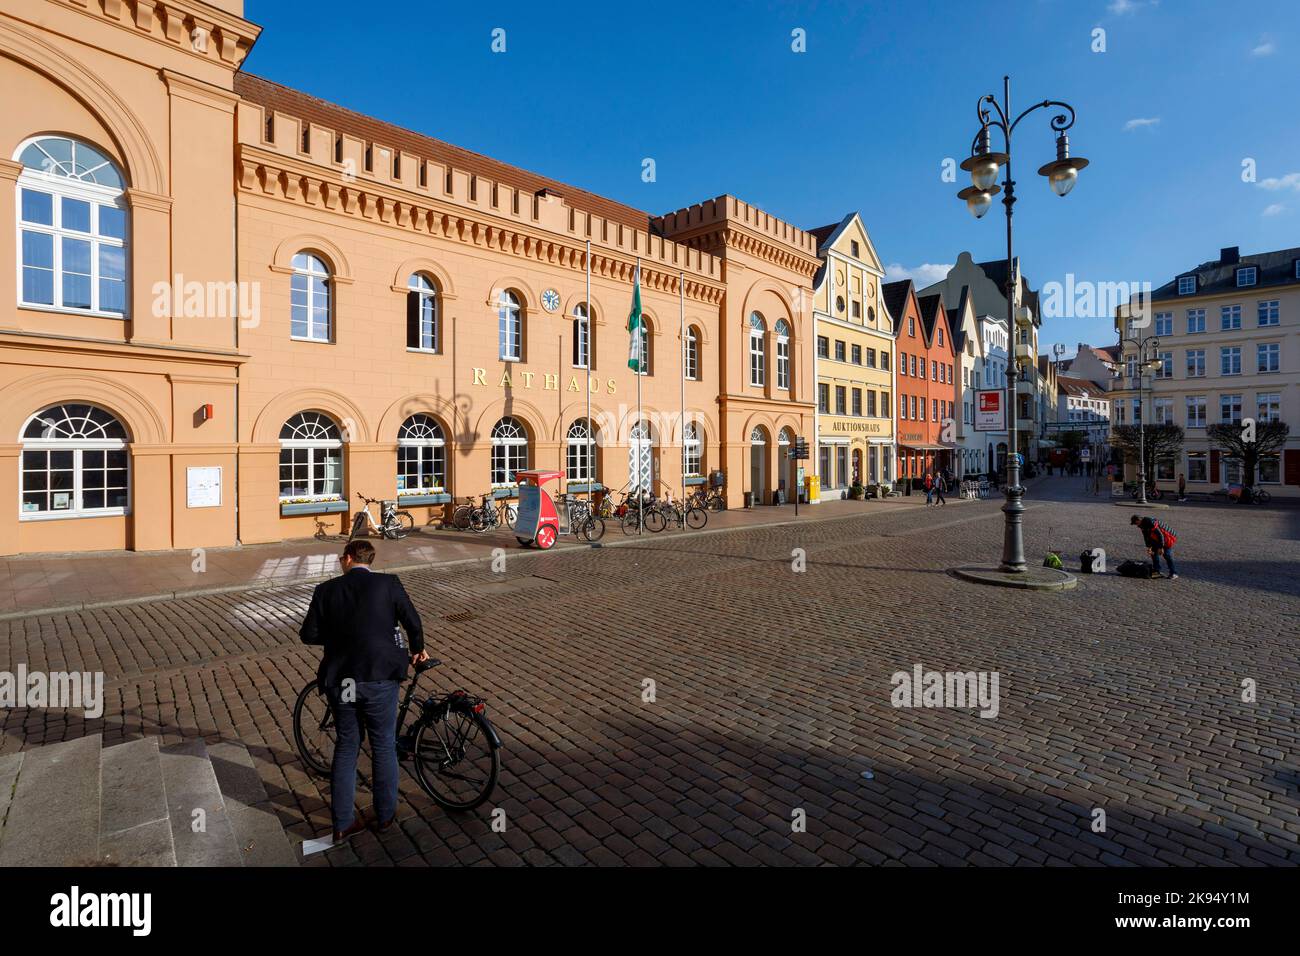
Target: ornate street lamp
(1147, 360)
(984, 166)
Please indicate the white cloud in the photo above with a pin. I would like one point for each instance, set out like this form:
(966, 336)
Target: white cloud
(1122, 7)
(922, 275)
(1274, 210)
(1141, 123)
(1266, 47)
(1276, 184)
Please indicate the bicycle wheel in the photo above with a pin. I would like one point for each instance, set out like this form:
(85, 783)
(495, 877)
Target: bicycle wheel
(717, 503)
(593, 529)
(313, 729)
(457, 758)
(478, 521)
(462, 518)
(696, 518)
(629, 522)
(511, 515)
(655, 520)
(399, 526)
(1262, 497)
(406, 520)
(358, 526)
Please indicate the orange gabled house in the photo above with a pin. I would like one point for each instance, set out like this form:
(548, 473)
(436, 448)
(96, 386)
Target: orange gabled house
(927, 380)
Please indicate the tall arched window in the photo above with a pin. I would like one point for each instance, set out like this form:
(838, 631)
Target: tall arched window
(72, 220)
(692, 451)
(309, 299)
(509, 451)
(647, 345)
(75, 464)
(421, 456)
(510, 327)
(311, 457)
(421, 313)
(782, 355)
(757, 350)
(692, 359)
(581, 336)
(580, 452)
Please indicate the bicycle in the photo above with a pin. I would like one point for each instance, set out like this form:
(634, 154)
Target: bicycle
(453, 747)
(661, 513)
(582, 522)
(1153, 493)
(393, 524)
(487, 516)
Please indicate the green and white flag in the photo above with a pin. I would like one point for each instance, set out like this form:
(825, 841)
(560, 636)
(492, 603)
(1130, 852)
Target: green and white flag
(635, 326)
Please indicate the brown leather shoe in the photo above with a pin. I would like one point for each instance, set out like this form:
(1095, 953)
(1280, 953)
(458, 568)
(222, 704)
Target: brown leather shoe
(386, 825)
(357, 826)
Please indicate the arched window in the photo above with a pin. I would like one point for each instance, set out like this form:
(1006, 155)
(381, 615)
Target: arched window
(510, 327)
(758, 436)
(421, 456)
(75, 464)
(647, 345)
(692, 451)
(309, 299)
(692, 358)
(311, 457)
(72, 219)
(509, 451)
(641, 457)
(581, 337)
(580, 452)
(757, 350)
(782, 355)
(421, 313)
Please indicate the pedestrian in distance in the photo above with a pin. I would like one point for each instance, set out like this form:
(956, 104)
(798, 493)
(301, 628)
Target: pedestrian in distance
(355, 617)
(1182, 487)
(929, 489)
(1159, 540)
(938, 492)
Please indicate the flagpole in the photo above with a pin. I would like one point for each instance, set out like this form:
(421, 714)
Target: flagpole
(640, 367)
(586, 328)
(681, 289)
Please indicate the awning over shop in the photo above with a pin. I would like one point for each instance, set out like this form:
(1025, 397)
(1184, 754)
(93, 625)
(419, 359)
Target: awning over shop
(837, 440)
(902, 444)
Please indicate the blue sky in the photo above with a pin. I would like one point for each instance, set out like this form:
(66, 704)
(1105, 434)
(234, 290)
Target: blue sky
(1184, 93)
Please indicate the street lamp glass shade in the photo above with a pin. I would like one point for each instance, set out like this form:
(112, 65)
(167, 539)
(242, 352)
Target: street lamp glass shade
(978, 200)
(1063, 174)
(984, 173)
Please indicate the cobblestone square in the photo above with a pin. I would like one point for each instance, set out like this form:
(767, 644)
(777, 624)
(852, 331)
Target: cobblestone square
(772, 695)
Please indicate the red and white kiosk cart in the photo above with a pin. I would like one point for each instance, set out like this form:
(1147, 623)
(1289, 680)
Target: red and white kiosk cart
(538, 521)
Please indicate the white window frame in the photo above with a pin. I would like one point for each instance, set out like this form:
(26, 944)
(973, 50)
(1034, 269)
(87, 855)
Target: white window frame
(581, 336)
(510, 327)
(426, 293)
(782, 355)
(579, 453)
(59, 187)
(1187, 285)
(1196, 403)
(1199, 316)
(1247, 276)
(317, 448)
(692, 451)
(757, 351)
(423, 434)
(1268, 313)
(692, 354)
(506, 452)
(307, 270)
(1272, 350)
(78, 446)
(1229, 314)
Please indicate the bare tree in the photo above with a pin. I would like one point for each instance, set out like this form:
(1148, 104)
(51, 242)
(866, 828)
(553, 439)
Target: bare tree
(1236, 442)
(1159, 441)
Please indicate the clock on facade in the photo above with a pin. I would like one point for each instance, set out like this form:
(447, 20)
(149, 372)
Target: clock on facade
(550, 300)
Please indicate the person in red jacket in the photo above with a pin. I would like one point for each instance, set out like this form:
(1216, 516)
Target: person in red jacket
(929, 488)
(1159, 540)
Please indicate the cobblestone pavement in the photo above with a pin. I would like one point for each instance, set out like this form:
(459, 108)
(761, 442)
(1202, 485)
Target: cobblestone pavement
(772, 694)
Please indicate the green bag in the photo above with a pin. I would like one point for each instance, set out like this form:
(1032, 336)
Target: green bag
(1053, 560)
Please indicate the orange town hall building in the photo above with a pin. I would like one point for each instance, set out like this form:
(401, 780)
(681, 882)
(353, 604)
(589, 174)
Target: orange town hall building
(233, 306)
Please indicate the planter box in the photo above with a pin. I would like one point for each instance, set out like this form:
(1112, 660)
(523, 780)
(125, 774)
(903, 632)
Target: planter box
(505, 493)
(288, 509)
(695, 480)
(412, 501)
(582, 487)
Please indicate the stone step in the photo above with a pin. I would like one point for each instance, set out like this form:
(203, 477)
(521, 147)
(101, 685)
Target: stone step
(53, 817)
(190, 783)
(134, 827)
(259, 834)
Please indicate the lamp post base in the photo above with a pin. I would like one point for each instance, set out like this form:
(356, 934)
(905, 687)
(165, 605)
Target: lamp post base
(1030, 579)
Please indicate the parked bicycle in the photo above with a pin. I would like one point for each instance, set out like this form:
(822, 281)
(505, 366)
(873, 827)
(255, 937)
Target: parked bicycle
(664, 513)
(393, 524)
(1257, 496)
(449, 742)
(583, 521)
(489, 513)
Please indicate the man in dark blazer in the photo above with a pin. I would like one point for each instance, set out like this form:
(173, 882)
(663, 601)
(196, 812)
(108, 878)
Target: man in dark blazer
(356, 618)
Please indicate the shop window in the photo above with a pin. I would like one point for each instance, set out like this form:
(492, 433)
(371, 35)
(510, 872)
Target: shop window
(74, 464)
(421, 456)
(311, 457)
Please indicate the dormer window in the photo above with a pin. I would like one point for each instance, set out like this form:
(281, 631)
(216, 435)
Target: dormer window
(1246, 276)
(1186, 285)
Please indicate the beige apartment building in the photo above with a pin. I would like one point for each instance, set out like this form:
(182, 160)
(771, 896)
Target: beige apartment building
(1228, 348)
(235, 306)
(855, 361)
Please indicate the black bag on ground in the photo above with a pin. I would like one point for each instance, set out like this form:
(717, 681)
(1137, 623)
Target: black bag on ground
(1087, 560)
(1134, 569)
